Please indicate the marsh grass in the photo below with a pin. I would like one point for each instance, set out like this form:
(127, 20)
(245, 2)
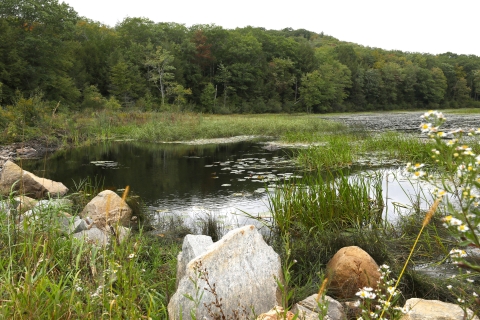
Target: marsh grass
(174, 127)
(320, 202)
(335, 152)
(345, 149)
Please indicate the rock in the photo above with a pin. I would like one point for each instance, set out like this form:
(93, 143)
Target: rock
(93, 235)
(121, 233)
(107, 209)
(434, 310)
(14, 178)
(277, 313)
(6, 206)
(241, 268)
(71, 225)
(54, 204)
(307, 309)
(350, 269)
(43, 208)
(25, 203)
(193, 246)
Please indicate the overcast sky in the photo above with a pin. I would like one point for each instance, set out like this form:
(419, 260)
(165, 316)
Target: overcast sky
(427, 26)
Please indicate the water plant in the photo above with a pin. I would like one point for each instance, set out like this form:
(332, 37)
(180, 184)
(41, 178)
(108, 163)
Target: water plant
(320, 202)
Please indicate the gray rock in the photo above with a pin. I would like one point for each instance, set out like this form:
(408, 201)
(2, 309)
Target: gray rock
(53, 204)
(241, 268)
(47, 208)
(6, 206)
(420, 309)
(94, 235)
(193, 246)
(308, 309)
(72, 225)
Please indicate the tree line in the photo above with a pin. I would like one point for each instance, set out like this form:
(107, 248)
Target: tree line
(47, 49)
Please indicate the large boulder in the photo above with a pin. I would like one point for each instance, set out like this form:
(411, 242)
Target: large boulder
(107, 209)
(420, 309)
(193, 246)
(350, 269)
(308, 309)
(15, 178)
(234, 275)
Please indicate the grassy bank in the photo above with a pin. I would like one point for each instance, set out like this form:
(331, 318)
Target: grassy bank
(45, 274)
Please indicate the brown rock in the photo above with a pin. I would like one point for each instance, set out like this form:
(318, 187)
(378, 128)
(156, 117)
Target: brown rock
(25, 203)
(350, 269)
(15, 178)
(107, 209)
(277, 313)
(420, 309)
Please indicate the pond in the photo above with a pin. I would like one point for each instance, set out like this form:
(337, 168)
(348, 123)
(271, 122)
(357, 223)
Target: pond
(193, 181)
(176, 179)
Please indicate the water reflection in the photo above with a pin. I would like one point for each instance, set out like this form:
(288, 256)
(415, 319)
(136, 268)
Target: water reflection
(225, 180)
(176, 179)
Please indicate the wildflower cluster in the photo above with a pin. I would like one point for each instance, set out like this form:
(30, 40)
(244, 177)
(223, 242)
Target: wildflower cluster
(461, 182)
(380, 303)
(457, 180)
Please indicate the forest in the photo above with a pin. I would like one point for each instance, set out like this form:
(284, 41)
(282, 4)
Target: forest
(47, 50)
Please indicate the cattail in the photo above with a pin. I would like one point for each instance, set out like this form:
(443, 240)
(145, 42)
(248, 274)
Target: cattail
(125, 193)
(322, 289)
(431, 212)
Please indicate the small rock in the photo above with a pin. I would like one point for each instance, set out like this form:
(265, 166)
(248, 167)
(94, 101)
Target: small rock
(94, 235)
(420, 309)
(107, 209)
(277, 313)
(308, 309)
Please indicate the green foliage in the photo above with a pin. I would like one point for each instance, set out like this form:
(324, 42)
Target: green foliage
(319, 203)
(46, 275)
(325, 87)
(47, 47)
(92, 98)
(208, 98)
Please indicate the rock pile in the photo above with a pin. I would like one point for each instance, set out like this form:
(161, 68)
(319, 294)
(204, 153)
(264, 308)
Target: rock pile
(106, 216)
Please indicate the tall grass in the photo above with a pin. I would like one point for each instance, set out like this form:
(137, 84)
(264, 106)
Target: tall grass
(45, 274)
(335, 152)
(318, 203)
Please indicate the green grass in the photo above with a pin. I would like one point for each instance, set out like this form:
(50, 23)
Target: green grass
(45, 274)
(346, 149)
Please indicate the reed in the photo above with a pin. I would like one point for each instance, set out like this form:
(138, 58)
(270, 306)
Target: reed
(324, 202)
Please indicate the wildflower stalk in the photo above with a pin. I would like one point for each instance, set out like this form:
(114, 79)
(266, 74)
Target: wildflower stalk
(426, 221)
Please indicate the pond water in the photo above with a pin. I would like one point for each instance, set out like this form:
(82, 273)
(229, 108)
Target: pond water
(177, 179)
(192, 181)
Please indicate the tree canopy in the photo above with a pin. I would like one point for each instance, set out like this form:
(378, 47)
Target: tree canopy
(47, 49)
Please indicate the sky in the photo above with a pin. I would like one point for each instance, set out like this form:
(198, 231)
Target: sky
(426, 26)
